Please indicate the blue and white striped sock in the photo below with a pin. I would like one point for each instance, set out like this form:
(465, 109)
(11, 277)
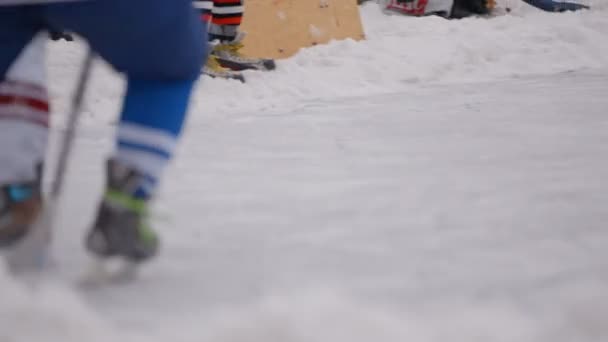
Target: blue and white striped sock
(151, 122)
(146, 149)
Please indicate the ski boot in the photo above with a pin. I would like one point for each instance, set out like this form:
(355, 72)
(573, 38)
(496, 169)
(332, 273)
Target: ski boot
(229, 56)
(122, 228)
(20, 205)
(213, 69)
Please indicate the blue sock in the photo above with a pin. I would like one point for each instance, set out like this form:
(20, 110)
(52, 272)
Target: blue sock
(151, 121)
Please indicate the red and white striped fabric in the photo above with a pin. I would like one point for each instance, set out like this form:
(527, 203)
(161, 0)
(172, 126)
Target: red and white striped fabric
(415, 7)
(23, 101)
(223, 17)
(221, 12)
(420, 7)
(24, 114)
(24, 122)
(23, 93)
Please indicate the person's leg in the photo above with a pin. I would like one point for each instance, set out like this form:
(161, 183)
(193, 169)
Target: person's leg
(204, 8)
(226, 19)
(226, 38)
(24, 107)
(24, 119)
(158, 45)
(213, 68)
(222, 17)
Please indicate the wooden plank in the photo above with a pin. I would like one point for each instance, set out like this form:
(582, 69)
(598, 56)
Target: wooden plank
(279, 28)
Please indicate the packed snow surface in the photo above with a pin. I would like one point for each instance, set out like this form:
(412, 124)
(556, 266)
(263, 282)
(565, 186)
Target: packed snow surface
(439, 181)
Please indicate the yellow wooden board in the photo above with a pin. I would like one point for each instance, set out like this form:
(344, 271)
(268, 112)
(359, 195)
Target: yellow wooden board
(279, 28)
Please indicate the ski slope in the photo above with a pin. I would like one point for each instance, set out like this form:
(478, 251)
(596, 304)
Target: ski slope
(442, 180)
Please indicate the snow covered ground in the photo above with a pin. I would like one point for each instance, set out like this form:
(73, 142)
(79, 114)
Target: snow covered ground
(442, 180)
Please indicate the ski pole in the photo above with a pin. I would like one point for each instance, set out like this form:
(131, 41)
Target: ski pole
(65, 147)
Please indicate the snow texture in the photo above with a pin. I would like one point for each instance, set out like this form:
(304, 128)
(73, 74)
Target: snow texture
(442, 180)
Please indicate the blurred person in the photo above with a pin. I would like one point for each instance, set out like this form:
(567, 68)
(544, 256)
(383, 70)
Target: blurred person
(223, 19)
(125, 34)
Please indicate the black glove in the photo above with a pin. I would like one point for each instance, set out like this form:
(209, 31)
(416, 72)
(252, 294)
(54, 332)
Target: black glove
(465, 8)
(481, 6)
(57, 35)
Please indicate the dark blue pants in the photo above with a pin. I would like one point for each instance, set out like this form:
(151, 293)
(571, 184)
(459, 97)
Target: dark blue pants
(146, 39)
